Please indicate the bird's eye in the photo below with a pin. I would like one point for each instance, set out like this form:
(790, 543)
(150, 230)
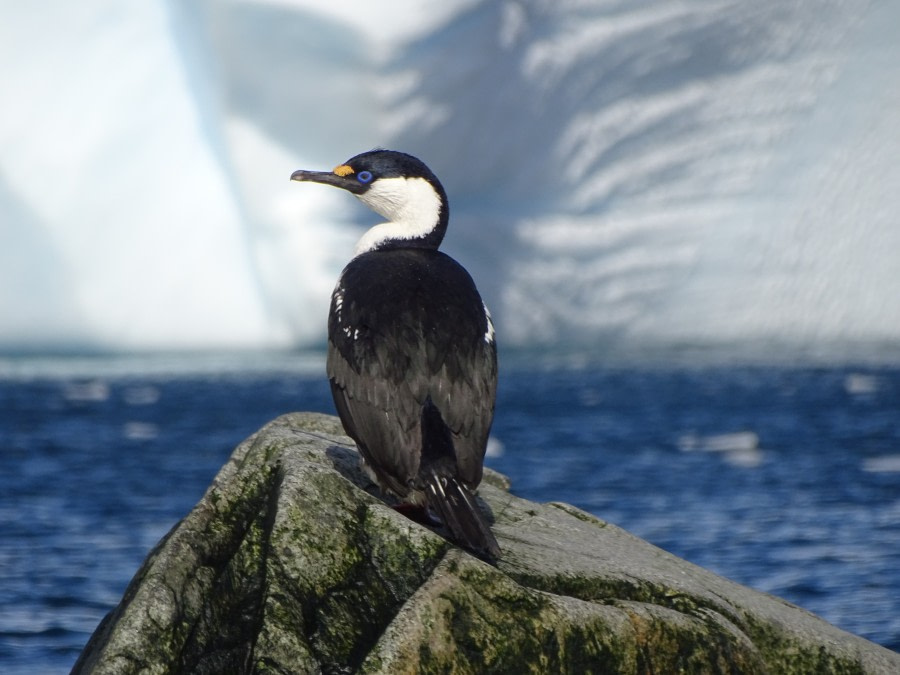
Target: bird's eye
(364, 176)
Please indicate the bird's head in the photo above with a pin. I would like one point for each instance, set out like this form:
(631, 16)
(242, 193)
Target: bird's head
(400, 188)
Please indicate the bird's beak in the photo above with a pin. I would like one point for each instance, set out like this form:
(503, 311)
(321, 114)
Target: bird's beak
(347, 182)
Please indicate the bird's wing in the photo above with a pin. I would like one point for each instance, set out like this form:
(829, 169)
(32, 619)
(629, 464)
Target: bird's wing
(385, 359)
(383, 417)
(466, 386)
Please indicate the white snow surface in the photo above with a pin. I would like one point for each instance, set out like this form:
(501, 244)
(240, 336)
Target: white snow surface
(621, 172)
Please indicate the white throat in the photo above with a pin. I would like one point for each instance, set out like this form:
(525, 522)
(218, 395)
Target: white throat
(411, 205)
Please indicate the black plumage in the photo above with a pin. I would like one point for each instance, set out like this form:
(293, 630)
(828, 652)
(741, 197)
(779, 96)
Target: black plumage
(411, 354)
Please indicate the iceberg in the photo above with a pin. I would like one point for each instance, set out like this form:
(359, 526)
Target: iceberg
(621, 173)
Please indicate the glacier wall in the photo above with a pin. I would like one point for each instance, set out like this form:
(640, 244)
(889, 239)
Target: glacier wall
(620, 172)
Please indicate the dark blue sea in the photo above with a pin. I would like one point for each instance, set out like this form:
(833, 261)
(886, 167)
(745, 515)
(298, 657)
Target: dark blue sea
(785, 479)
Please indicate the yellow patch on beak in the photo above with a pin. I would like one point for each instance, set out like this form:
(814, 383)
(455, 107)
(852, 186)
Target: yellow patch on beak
(343, 170)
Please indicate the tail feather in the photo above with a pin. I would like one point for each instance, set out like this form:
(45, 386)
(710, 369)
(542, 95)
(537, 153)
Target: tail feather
(460, 514)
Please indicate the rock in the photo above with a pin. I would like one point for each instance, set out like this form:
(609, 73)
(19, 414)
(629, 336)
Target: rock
(292, 563)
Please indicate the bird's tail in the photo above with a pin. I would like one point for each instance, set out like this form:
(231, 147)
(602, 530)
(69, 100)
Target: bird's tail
(460, 514)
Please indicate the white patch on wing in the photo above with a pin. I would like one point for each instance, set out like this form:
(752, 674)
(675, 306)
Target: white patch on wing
(338, 301)
(489, 335)
(411, 205)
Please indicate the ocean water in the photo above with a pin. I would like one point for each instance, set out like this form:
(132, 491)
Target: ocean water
(785, 479)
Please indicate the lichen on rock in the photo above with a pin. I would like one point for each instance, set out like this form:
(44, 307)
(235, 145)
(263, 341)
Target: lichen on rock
(293, 563)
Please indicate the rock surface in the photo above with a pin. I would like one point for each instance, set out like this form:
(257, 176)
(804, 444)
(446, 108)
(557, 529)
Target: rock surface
(291, 564)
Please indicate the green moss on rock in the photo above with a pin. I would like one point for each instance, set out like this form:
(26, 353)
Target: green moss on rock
(292, 563)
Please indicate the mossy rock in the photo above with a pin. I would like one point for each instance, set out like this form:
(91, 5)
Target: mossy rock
(292, 563)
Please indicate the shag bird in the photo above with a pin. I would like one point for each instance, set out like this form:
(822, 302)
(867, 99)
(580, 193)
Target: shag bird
(411, 354)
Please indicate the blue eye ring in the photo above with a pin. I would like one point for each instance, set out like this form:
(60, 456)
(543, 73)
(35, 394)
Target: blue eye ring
(364, 176)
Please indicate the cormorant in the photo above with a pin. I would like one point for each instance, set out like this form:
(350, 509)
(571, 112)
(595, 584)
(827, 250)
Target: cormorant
(412, 359)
